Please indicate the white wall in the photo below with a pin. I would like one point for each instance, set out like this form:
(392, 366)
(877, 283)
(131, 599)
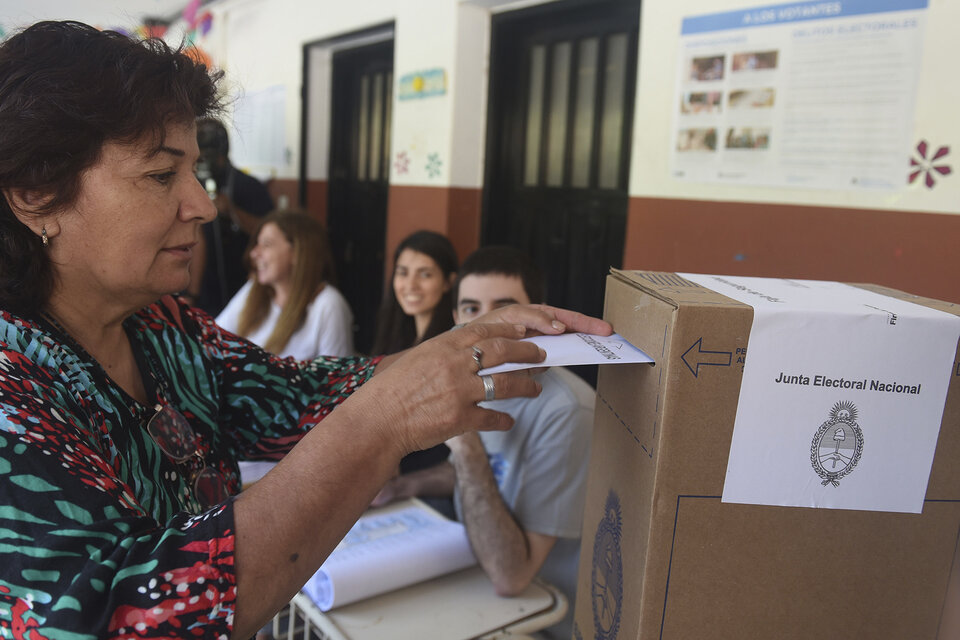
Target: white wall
(472, 70)
(319, 87)
(260, 45)
(442, 137)
(125, 15)
(422, 127)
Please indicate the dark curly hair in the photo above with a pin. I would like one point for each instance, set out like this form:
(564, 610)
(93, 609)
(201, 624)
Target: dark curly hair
(67, 88)
(505, 261)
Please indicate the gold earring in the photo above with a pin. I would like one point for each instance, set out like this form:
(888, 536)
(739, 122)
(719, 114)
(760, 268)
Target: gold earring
(43, 237)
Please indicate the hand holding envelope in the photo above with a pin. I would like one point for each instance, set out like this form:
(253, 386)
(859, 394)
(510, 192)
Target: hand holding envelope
(569, 349)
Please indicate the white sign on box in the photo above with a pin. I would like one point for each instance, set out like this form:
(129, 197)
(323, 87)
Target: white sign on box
(842, 395)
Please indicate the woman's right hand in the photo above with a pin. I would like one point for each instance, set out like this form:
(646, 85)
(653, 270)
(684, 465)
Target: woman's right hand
(431, 392)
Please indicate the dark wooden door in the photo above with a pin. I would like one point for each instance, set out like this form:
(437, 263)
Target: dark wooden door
(362, 93)
(562, 92)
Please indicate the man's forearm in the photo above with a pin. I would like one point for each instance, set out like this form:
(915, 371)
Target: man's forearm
(498, 541)
(433, 482)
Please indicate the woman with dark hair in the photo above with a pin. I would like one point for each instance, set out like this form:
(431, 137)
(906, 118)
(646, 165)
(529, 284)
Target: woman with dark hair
(416, 307)
(418, 304)
(123, 411)
(289, 305)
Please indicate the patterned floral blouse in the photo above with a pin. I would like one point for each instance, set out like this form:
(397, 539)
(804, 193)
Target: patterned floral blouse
(100, 534)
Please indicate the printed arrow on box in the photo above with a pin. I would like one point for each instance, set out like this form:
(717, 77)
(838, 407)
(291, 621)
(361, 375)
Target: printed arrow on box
(705, 358)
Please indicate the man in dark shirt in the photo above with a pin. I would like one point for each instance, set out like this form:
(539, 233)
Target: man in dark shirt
(241, 201)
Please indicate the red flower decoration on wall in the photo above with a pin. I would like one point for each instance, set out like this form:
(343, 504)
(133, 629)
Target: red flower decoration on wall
(928, 168)
(402, 164)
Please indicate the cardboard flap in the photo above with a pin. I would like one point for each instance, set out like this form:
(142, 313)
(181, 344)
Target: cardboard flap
(674, 289)
(933, 303)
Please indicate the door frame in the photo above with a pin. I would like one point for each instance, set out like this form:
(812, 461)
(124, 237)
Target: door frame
(317, 129)
(348, 40)
(495, 151)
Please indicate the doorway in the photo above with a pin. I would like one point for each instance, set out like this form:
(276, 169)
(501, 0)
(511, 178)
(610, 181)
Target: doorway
(362, 94)
(559, 137)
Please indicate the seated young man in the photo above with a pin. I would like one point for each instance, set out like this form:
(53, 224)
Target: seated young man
(520, 492)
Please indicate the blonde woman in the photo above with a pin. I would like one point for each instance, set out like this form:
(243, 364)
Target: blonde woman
(289, 307)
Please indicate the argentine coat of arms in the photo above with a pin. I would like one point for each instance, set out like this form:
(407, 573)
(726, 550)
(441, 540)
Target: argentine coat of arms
(837, 445)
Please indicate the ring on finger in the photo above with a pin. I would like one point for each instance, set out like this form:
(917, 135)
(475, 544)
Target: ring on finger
(489, 391)
(477, 354)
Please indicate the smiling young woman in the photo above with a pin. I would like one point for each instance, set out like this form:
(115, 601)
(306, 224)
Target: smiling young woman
(418, 305)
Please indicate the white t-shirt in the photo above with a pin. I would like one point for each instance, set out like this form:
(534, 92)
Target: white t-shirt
(326, 331)
(540, 466)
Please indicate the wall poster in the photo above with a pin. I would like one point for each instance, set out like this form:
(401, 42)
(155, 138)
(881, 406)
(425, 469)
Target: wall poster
(259, 145)
(809, 94)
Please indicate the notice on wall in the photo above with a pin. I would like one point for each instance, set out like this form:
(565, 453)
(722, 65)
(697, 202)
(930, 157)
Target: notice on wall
(259, 144)
(842, 396)
(808, 94)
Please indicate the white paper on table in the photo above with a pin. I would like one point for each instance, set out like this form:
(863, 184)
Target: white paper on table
(569, 349)
(786, 421)
(387, 550)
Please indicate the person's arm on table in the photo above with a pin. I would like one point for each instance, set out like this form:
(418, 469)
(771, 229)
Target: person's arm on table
(433, 482)
(510, 556)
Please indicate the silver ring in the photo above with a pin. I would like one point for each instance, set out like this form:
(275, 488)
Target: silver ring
(488, 389)
(477, 354)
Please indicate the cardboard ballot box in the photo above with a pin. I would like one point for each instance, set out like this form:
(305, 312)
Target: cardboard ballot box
(666, 556)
